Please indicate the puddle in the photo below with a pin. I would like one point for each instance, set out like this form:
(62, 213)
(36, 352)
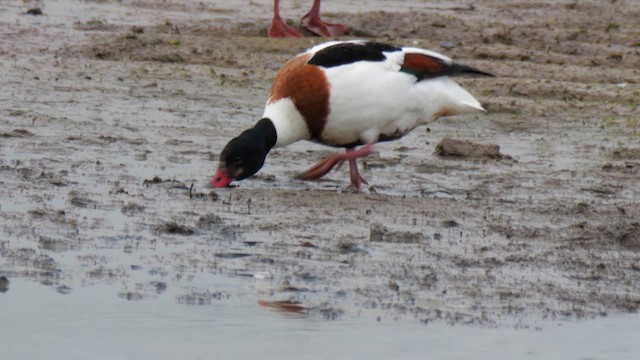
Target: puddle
(90, 322)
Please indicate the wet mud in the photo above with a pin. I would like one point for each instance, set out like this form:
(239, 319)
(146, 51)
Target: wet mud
(112, 115)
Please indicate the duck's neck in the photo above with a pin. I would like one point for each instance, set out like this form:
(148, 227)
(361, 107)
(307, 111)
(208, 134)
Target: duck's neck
(264, 131)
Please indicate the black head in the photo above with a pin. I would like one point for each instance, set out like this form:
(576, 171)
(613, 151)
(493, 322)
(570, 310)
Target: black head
(244, 155)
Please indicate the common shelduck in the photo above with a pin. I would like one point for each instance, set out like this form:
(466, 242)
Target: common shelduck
(311, 21)
(346, 94)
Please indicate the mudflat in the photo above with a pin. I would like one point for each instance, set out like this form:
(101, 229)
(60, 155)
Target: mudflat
(112, 116)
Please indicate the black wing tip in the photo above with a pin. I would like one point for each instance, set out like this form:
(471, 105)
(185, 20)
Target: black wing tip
(468, 70)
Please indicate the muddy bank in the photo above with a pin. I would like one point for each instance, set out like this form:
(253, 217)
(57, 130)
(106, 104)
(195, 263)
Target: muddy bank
(114, 114)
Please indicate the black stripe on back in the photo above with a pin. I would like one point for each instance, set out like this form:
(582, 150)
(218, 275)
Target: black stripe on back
(348, 53)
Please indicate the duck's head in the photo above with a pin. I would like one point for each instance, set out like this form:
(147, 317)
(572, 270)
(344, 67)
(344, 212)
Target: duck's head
(244, 155)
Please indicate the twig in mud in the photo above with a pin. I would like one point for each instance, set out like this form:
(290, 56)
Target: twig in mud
(157, 180)
(227, 202)
(201, 196)
(469, 7)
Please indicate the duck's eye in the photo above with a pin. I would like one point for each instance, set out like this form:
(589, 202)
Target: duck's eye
(237, 161)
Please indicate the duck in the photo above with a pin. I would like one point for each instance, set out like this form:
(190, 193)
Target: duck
(311, 21)
(352, 95)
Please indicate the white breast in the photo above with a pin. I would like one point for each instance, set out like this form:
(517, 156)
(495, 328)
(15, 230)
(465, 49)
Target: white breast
(289, 123)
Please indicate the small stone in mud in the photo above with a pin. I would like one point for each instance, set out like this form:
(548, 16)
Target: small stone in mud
(231, 255)
(79, 202)
(47, 243)
(17, 133)
(46, 263)
(93, 25)
(171, 184)
(209, 222)
(25, 172)
(155, 180)
(103, 273)
(131, 209)
(626, 234)
(347, 246)
(130, 296)
(331, 313)
(623, 153)
(450, 224)
(269, 178)
(168, 58)
(429, 280)
(36, 11)
(160, 286)
(468, 149)
(64, 290)
(448, 44)
(119, 190)
(4, 284)
(55, 216)
(308, 244)
(379, 233)
(107, 139)
(173, 228)
(626, 167)
(204, 298)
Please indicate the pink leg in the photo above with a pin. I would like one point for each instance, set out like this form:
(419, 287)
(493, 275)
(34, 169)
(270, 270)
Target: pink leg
(354, 174)
(327, 164)
(314, 23)
(278, 28)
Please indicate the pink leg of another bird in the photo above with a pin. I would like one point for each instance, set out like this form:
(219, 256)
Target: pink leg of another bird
(314, 23)
(278, 28)
(327, 164)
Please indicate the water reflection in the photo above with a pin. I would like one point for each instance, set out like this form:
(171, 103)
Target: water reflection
(91, 322)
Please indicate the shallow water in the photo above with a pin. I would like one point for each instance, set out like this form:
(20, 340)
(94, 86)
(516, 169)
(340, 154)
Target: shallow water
(92, 323)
